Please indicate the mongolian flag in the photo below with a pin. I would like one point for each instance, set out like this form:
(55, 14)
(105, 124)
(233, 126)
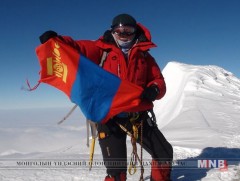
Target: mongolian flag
(99, 94)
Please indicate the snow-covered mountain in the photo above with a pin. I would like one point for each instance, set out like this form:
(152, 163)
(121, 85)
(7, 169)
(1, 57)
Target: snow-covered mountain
(203, 100)
(199, 115)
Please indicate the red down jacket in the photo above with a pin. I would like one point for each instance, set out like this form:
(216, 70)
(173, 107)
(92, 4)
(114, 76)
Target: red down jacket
(141, 68)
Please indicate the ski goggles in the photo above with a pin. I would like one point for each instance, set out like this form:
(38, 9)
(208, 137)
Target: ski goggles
(124, 30)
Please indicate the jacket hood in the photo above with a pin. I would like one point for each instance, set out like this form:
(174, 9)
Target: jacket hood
(143, 31)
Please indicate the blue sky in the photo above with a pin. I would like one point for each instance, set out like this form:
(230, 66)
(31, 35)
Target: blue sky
(199, 32)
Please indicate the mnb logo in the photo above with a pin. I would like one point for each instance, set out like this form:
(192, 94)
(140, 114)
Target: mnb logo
(221, 164)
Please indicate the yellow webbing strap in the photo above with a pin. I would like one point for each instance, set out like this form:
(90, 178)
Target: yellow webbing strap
(91, 153)
(132, 165)
(134, 136)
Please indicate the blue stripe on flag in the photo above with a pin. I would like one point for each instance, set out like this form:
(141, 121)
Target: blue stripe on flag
(94, 90)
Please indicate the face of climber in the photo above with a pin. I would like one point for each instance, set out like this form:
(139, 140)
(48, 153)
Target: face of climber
(124, 33)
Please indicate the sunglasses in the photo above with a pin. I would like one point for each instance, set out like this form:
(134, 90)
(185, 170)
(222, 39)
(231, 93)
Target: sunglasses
(124, 30)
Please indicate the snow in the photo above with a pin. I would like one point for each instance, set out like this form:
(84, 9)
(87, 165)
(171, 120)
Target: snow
(199, 115)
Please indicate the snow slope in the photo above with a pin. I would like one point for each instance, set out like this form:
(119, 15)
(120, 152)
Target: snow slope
(202, 99)
(200, 116)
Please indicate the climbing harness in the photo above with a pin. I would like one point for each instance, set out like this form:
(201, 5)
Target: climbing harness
(134, 137)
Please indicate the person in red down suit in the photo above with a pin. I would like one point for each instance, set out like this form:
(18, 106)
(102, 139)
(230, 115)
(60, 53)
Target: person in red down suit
(123, 50)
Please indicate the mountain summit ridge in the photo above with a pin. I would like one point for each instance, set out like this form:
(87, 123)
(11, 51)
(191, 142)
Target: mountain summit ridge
(199, 100)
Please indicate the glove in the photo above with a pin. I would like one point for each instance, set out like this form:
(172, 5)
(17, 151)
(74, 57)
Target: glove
(150, 93)
(47, 35)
